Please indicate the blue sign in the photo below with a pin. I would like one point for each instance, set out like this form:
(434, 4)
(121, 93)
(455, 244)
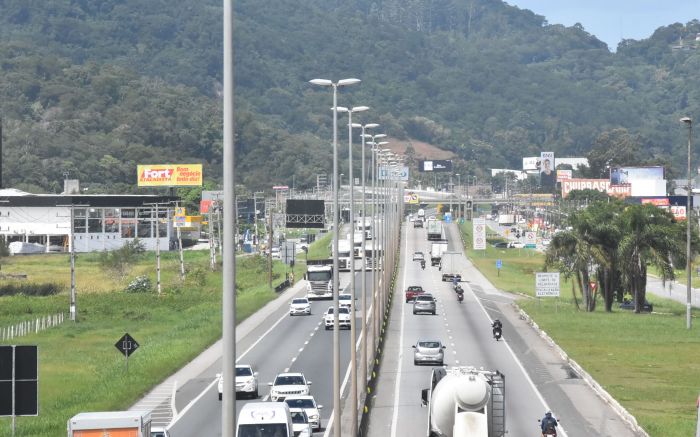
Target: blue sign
(499, 264)
(448, 217)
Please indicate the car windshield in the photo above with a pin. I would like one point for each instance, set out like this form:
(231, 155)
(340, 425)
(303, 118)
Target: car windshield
(299, 417)
(344, 297)
(244, 371)
(289, 380)
(415, 288)
(343, 310)
(424, 298)
(429, 344)
(300, 403)
(301, 301)
(263, 430)
(318, 276)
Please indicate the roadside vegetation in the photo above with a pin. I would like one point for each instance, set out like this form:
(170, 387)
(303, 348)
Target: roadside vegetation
(79, 367)
(648, 362)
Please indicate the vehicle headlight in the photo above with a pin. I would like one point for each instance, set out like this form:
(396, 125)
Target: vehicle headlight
(313, 416)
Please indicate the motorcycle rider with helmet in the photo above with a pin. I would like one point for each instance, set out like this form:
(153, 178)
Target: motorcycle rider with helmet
(549, 425)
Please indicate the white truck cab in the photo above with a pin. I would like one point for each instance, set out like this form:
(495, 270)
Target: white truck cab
(265, 419)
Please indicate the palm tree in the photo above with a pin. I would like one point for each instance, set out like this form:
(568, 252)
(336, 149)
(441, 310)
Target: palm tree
(650, 236)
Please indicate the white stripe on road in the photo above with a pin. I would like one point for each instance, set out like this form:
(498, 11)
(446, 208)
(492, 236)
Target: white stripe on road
(397, 384)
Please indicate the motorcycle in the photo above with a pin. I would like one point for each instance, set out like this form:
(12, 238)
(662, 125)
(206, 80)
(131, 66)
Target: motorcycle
(422, 265)
(549, 432)
(497, 333)
(460, 296)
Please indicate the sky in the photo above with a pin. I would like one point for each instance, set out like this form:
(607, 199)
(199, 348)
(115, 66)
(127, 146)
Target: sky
(613, 20)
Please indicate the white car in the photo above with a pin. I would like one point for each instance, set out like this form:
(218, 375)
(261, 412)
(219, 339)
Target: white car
(345, 300)
(299, 305)
(300, 423)
(418, 256)
(308, 403)
(246, 381)
(517, 244)
(288, 384)
(343, 318)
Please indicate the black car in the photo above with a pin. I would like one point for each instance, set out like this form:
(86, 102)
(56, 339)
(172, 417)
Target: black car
(630, 304)
(502, 245)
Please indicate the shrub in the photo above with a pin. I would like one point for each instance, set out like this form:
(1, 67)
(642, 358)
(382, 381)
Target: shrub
(119, 261)
(30, 289)
(140, 284)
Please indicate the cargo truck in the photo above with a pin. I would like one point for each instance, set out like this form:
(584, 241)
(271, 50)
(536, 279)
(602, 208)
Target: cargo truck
(110, 424)
(344, 255)
(434, 230)
(449, 266)
(465, 402)
(319, 279)
(436, 250)
(506, 219)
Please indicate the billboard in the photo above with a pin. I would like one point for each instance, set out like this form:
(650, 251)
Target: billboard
(627, 175)
(435, 165)
(305, 213)
(169, 175)
(548, 176)
(602, 185)
(531, 163)
(479, 232)
(411, 198)
(392, 174)
(563, 175)
(677, 205)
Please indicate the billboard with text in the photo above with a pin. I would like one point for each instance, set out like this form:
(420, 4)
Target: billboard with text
(169, 175)
(435, 165)
(602, 185)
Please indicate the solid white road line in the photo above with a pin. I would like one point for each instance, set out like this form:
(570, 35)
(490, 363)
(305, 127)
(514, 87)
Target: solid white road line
(397, 382)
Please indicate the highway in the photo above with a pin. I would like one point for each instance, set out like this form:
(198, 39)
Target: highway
(537, 378)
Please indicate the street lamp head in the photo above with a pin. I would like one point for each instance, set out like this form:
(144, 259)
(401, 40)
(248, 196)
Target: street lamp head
(356, 125)
(380, 136)
(321, 82)
(687, 120)
(340, 109)
(371, 125)
(381, 143)
(345, 82)
(359, 108)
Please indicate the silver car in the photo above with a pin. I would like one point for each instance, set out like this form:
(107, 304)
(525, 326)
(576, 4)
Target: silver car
(428, 351)
(424, 303)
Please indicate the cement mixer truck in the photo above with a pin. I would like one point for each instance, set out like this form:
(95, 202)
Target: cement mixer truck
(465, 402)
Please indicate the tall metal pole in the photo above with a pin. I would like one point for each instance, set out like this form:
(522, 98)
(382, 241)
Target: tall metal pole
(688, 215)
(158, 287)
(363, 286)
(375, 247)
(228, 408)
(336, 279)
(353, 329)
(73, 305)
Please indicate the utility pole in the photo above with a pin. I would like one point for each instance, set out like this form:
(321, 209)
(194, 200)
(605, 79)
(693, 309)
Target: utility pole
(269, 249)
(212, 250)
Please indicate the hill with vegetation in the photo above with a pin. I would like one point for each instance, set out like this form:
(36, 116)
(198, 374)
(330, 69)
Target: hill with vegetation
(91, 88)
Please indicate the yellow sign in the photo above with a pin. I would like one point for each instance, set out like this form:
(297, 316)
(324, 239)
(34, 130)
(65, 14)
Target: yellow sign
(411, 198)
(180, 210)
(170, 175)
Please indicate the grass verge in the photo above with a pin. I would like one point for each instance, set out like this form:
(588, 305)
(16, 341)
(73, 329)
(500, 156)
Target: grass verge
(81, 370)
(649, 362)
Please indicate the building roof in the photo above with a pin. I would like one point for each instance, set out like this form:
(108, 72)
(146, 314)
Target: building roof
(15, 197)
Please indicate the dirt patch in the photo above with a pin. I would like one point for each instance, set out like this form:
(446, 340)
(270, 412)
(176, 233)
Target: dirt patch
(422, 150)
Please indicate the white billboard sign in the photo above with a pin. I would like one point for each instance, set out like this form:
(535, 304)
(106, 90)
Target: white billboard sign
(393, 174)
(547, 284)
(530, 237)
(479, 231)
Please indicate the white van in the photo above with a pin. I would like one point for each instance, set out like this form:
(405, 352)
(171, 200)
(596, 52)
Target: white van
(265, 419)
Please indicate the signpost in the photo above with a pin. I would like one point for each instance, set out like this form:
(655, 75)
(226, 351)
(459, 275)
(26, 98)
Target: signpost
(479, 231)
(499, 265)
(19, 382)
(127, 346)
(531, 239)
(547, 284)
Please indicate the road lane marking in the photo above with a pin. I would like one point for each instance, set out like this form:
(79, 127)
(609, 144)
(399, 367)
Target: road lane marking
(397, 385)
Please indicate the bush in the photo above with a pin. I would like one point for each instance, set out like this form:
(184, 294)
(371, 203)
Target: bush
(30, 289)
(119, 261)
(140, 284)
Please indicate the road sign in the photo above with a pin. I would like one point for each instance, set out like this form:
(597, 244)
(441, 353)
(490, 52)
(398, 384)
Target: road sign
(479, 231)
(499, 264)
(127, 345)
(19, 368)
(547, 284)
(447, 217)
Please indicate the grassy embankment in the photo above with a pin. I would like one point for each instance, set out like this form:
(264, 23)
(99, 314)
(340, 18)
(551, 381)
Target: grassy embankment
(79, 367)
(649, 362)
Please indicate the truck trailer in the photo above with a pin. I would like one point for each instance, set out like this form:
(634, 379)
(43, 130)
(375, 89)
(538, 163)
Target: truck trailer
(436, 250)
(434, 231)
(449, 266)
(110, 424)
(465, 402)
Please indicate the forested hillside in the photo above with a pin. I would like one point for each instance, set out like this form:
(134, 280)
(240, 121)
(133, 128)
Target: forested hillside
(93, 87)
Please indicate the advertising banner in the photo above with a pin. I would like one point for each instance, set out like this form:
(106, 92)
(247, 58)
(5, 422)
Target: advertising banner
(436, 165)
(602, 185)
(392, 174)
(547, 172)
(675, 204)
(564, 175)
(626, 175)
(411, 198)
(530, 163)
(479, 232)
(547, 284)
(169, 175)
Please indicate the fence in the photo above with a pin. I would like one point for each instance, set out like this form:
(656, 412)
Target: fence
(30, 326)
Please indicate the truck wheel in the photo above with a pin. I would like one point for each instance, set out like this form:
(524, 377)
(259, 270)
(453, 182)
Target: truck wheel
(220, 396)
(433, 312)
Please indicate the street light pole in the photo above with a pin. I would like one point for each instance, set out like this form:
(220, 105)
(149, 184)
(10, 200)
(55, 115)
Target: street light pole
(688, 214)
(459, 194)
(336, 230)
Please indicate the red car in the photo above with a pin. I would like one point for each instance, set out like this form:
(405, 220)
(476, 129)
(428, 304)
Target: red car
(412, 291)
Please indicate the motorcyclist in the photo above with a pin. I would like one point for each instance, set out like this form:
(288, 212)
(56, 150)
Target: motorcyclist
(422, 264)
(549, 424)
(497, 327)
